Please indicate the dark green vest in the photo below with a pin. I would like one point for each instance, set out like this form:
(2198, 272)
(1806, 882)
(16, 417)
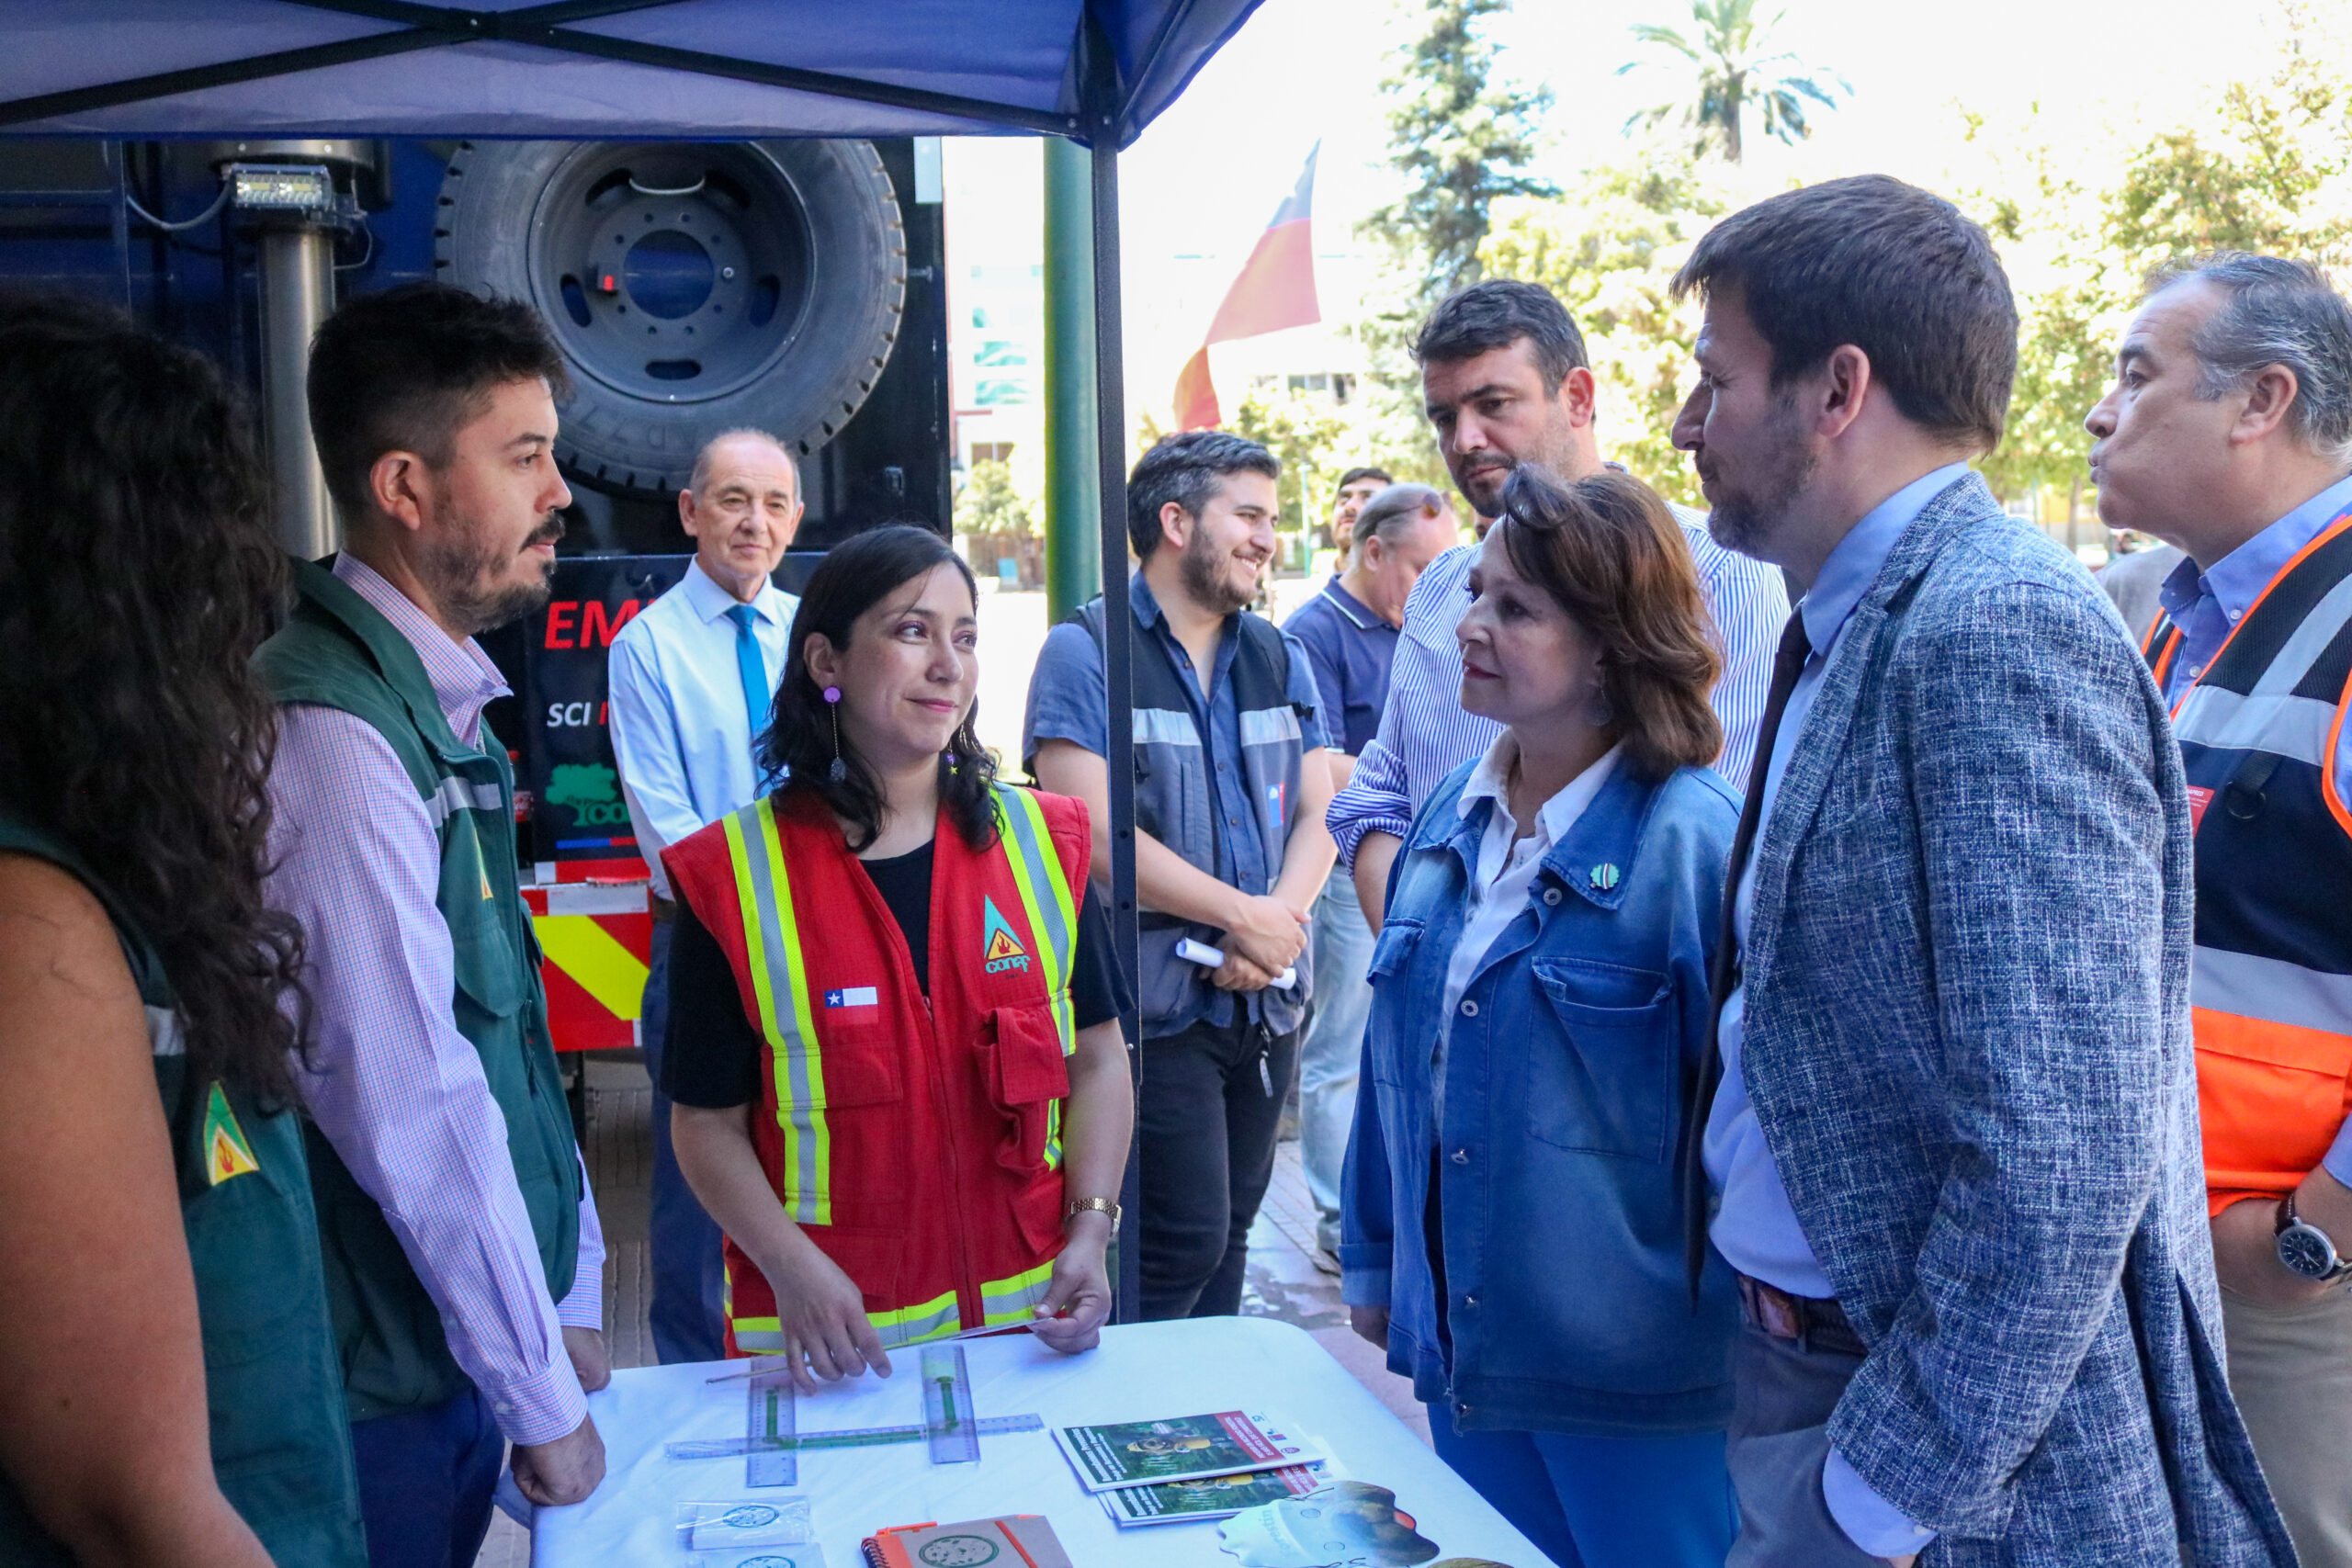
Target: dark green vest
(281, 1447)
(336, 651)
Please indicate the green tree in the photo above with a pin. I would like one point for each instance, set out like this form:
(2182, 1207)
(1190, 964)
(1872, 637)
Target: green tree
(1462, 138)
(1610, 252)
(990, 502)
(1314, 441)
(2271, 171)
(1733, 72)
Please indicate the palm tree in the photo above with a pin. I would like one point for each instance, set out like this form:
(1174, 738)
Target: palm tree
(1736, 70)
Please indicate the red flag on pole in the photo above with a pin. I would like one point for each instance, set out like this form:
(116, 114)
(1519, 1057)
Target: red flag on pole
(1275, 290)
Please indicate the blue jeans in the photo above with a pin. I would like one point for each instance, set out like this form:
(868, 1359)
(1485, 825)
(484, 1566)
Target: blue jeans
(1332, 1050)
(425, 1480)
(689, 1268)
(1602, 1501)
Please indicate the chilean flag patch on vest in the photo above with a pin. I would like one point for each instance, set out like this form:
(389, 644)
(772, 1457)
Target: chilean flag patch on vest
(853, 997)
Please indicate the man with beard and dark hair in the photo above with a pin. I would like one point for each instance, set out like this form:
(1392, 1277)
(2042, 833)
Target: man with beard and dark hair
(464, 1259)
(1230, 848)
(1948, 1117)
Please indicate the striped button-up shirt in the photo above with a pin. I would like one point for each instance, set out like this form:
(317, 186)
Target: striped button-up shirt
(395, 1087)
(1425, 735)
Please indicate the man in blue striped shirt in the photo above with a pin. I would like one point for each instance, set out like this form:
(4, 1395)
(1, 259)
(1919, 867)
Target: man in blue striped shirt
(1505, 379)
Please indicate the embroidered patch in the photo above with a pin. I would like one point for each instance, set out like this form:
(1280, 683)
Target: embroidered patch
(1002, 949)
(853, 997)
(226, 1153)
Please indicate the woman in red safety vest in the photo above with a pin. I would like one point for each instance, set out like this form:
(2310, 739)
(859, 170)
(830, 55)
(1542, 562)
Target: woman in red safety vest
(899, 1082)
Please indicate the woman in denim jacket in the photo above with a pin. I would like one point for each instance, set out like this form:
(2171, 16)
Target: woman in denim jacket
(1540, 1001)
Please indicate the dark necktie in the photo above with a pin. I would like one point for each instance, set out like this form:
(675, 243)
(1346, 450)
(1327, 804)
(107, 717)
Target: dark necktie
(1723, 973)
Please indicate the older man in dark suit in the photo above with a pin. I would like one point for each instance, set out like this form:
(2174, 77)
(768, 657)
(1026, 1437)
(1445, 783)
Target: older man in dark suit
(1952, 1126)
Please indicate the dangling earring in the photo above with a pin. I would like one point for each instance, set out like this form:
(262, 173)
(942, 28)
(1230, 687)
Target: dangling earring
(840, 770)
(1599, 713)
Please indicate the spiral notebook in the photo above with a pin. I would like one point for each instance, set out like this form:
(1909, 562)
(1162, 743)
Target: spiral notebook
(1030, 1537)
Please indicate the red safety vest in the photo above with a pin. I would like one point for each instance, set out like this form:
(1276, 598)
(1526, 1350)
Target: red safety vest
(917, 1142)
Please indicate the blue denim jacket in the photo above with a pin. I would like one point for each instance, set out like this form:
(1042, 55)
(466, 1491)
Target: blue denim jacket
(1566, 1301)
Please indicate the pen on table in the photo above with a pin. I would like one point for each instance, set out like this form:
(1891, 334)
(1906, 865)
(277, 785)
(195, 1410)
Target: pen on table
(779, 1363)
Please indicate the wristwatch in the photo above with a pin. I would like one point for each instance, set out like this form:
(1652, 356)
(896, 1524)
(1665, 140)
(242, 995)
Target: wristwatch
(1080, 1205)
(2306, 1250)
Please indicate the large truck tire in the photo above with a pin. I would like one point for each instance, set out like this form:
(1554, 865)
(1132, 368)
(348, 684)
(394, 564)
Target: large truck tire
(693, 288)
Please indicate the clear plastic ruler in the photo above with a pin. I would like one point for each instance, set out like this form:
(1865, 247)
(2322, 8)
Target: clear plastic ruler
(848, 1437)
(948, 1419)
(770, 1432)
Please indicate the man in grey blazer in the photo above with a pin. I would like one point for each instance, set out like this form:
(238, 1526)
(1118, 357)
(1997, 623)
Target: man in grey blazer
(1951, 1130)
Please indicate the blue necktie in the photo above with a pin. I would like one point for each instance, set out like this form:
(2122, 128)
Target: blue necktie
(757, 694)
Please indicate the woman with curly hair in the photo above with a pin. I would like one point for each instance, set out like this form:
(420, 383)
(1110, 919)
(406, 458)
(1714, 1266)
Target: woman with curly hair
(1512, 1231)
(898, 1078)
(169, 1392)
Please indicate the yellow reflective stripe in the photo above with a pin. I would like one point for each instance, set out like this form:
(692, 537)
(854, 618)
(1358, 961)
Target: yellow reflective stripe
(760, 1336)
(1007, 1300)
(909, 1326)
(1030, 853)
(780, 984)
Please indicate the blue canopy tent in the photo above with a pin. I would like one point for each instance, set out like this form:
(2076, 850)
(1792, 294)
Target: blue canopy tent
(1093, 71)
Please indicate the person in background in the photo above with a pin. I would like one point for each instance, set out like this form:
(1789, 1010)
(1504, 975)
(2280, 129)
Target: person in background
(1348, 631)
(1540, 991)
(169, 1390)
(2132, 580)
(1505, 379)
(464, 1260)
(900, 1081)
(691, 680)
(1356, 487)
(1949, 1110)
(1230, 788)
(2229, 435)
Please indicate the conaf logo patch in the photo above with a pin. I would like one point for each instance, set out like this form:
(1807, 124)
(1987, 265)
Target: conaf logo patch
(1004, 950)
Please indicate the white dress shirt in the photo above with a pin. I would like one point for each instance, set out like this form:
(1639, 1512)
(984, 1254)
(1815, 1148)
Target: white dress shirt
(1507, 865)
(392, 1085)
(679, 727)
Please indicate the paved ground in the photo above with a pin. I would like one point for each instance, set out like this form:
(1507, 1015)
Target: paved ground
(1283, 1282)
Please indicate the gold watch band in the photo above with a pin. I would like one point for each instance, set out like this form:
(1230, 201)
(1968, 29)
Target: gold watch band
(1080, 1205)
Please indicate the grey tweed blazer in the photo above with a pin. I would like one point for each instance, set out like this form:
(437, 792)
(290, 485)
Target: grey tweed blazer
(1967, 1042)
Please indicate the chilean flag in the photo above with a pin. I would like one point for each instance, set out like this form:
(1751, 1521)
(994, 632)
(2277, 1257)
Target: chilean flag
(1276, 289)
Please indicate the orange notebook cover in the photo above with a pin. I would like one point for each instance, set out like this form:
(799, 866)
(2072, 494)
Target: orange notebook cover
(1013, 1540)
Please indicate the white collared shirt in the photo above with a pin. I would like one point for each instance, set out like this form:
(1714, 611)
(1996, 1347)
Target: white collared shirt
(679, 727)
(1506, 865)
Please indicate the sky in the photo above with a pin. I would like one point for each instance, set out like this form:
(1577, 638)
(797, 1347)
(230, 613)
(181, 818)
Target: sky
(1199, 185)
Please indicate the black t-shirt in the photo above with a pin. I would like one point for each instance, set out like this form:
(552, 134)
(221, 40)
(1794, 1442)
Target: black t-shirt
(712, 1055)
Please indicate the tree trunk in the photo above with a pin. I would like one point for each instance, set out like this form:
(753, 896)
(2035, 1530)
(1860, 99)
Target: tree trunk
(2074, 512)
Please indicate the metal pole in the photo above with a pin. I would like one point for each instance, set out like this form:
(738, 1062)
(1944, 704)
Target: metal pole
(1111, 450)
(297, 293)
(1073, 561)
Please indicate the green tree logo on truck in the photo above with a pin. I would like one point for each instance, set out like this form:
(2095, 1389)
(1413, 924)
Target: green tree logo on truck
(591, 790)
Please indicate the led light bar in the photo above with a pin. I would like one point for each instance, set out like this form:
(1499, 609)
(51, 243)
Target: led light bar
(280, 187)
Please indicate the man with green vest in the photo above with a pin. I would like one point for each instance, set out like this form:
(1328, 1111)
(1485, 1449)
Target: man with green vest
(463, 1258)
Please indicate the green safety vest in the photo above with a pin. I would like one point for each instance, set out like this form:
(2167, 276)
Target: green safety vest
(336, 651)
(281, 1447)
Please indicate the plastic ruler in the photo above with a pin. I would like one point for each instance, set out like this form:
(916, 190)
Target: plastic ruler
(772, 1439)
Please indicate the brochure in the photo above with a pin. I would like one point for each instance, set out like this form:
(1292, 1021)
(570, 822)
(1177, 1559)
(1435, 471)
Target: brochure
(1182, 1448)
(1215, 1497)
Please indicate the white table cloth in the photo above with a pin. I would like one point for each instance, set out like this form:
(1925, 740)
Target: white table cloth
(1141, 1371)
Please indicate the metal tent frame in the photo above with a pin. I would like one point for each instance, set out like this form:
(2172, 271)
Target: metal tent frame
(1127, 60)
